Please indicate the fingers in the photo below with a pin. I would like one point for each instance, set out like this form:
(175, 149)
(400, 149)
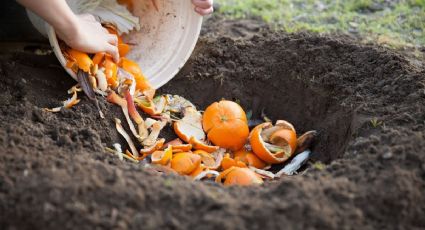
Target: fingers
(113, 51)
(203, 4)
(203, 12)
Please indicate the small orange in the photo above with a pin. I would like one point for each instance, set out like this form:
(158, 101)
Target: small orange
(185, 163)
(239, 176)
(249, 158)
(226, 124)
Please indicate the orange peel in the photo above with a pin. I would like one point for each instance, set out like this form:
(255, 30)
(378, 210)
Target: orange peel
(157, 146)
(249, 158)
(267, 152)
(162, 157)
(142, 83)
(152, 107)
(239, 176)
(207, 159)
(198, 171)
(228, 162)
(111, 72)
(82, 60)
(178, 145)
(67, 104)
(123, 49)
(200, 145)
(284, 137)
(190, 125)
(185, 163)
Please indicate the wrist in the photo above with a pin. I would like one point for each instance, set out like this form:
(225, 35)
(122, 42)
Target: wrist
(68, 28)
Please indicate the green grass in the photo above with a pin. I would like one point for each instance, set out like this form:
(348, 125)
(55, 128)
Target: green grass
(396, 23)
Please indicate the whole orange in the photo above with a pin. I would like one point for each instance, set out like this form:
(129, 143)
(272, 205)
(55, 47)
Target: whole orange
(226, 124)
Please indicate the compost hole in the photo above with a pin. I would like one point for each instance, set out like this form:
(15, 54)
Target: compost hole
(306, 107)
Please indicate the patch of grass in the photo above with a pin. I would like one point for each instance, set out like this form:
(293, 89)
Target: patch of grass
(397, 23)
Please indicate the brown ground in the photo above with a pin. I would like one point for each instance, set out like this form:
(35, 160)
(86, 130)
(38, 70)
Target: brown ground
(55, 175)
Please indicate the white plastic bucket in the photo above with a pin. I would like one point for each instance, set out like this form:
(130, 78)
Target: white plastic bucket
(163, 44)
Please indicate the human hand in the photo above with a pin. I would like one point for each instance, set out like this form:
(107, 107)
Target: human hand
(87, 35)
(203, 7)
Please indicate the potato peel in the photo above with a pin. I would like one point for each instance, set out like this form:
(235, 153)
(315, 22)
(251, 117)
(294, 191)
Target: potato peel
(155, 131)
(305, 141)
(263, 173)
(123, 133)
(114, 98)
(205, 174)
(142, 130)
(295, 164)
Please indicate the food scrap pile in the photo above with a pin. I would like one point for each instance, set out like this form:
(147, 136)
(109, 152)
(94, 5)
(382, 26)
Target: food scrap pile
(217, 143)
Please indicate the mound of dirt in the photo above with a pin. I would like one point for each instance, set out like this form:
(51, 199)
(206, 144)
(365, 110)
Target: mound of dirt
(367, 103)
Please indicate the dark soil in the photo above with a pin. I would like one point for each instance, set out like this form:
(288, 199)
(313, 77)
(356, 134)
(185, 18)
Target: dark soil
(54, 173)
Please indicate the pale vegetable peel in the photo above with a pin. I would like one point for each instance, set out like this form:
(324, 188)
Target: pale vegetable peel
(123, 133)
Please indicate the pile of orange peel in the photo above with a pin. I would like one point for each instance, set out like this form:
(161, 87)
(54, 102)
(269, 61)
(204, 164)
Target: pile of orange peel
(216, 144)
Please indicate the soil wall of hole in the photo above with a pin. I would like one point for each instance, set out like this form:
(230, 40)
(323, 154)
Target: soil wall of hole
(55, 174)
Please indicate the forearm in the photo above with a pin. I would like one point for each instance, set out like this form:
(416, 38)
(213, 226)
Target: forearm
(56, 12)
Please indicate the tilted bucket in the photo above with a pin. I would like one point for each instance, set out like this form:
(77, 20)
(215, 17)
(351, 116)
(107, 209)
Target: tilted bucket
(163, 44)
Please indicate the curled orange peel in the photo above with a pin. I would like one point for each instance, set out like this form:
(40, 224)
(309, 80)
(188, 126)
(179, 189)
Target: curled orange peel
(162, 157)
(200, 145)
(249, 158)
(82, 60)
(228, 162)
(185, 163)
(267, 152)
(190, 125)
